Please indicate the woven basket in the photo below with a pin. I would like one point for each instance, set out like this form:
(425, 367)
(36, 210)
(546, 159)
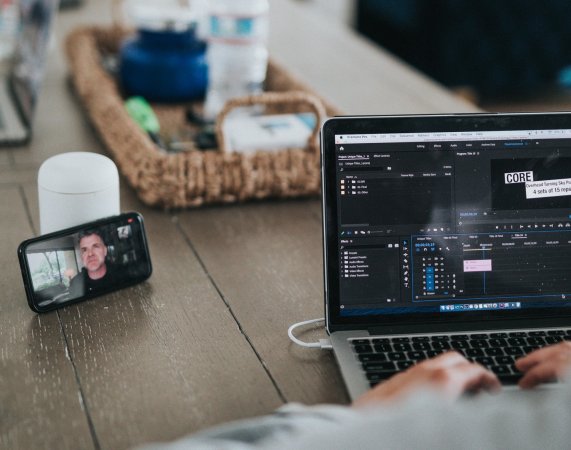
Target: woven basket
(195, 177)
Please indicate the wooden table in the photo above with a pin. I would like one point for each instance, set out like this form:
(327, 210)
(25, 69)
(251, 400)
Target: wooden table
(204, 340)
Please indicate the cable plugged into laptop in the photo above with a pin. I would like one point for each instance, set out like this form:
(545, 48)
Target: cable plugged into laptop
(324, 344)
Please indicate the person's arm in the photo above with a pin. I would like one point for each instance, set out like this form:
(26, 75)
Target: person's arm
(449, 374)
(412, 410)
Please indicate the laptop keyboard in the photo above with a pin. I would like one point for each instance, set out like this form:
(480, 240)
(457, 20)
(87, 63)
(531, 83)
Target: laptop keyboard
(382, 357)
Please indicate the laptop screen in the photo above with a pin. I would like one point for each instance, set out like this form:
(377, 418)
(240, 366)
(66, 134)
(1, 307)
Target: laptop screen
(466, 221)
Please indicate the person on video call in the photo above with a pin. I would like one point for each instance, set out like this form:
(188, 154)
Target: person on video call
(415, 409)
(97, 273)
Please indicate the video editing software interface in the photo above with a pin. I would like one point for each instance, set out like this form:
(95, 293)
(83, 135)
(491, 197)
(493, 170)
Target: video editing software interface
(454, 221)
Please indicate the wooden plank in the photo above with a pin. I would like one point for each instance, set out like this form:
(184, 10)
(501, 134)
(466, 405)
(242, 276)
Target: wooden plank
(40, 403)
(4, 158)
(166, 357)
(350, 71)
(266, 260)
(14, 176)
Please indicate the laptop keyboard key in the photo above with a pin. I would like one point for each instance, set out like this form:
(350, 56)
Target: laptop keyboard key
(421, 346)
(474, 352)
(479, 343)
(516, 341)
(514, 351)
(439, 338)
(556, 333)
(363, 349)
(460, 337)
(460, 344)
(360, 342)
(420, 339)
(402, 347)
(378, 366)
(553, 339)
(510, 378)
(500, 342)
(379, 375)
(485, 361)
(370, 357)
(537, 333)
(501, 370)
(441, 345)
(494, 352)
(505, 360)
(479, 336)
(397, 356)
(535, 341)
(403, 365)
(498, 335)
(381, 341)
(517, 334)
(382, 348)
(416, 355)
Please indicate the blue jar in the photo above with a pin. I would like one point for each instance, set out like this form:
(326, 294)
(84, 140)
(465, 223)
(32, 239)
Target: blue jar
(164, 65)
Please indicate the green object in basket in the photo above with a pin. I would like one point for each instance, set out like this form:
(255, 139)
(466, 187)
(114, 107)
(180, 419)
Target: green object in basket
(142, 113)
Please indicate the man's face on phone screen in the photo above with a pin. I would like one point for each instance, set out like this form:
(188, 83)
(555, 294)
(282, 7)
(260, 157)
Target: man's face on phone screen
(93, 252)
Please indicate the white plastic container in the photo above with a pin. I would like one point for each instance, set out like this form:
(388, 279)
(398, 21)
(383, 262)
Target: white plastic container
(76, 188)
(9, 19)
(237, 52)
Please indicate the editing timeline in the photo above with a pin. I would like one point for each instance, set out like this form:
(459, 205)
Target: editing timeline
(475, 267)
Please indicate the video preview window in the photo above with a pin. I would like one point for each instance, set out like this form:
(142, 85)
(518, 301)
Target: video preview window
(531, 183)
(86, 263)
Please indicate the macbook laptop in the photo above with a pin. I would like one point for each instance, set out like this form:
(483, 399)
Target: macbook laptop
(445, 232)
(20, 85)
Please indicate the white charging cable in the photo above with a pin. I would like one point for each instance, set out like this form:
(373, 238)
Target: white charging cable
(323, 343)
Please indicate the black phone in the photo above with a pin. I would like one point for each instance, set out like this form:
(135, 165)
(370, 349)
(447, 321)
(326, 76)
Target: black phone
(84, 261)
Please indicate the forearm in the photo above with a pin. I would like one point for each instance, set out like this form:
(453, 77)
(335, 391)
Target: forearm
(421, 421)
(274, 430)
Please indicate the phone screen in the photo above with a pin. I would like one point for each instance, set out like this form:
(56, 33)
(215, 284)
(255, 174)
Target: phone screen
(84, 261)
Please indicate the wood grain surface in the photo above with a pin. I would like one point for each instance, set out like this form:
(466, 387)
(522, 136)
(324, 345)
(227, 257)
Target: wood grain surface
(266, 260)
(39, 392)
(204, 340)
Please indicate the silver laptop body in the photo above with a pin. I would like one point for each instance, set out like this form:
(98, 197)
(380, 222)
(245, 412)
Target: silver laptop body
(445, 232)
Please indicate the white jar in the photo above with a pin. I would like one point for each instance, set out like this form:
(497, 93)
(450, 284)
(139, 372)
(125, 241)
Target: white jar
(237, 53)
(76, 188)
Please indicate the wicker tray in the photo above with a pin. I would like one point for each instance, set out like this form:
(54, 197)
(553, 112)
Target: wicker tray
(193, 178)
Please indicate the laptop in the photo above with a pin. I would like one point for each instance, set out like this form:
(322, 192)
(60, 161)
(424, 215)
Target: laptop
(20, 85)
(445, 232)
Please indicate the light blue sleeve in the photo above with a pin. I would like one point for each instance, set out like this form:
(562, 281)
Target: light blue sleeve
(515, 420)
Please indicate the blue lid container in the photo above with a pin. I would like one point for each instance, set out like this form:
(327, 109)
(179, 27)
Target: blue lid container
(164, 64)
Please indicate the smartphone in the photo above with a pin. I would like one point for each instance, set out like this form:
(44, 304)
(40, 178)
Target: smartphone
(84, 261)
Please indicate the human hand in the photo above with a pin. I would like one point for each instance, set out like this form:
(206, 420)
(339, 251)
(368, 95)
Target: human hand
(544, 365)
(450, 373)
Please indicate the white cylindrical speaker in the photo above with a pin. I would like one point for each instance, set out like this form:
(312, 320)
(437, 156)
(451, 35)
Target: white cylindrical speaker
(76, 188)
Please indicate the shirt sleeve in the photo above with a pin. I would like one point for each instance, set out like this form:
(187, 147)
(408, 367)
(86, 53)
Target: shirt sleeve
(515, 419)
